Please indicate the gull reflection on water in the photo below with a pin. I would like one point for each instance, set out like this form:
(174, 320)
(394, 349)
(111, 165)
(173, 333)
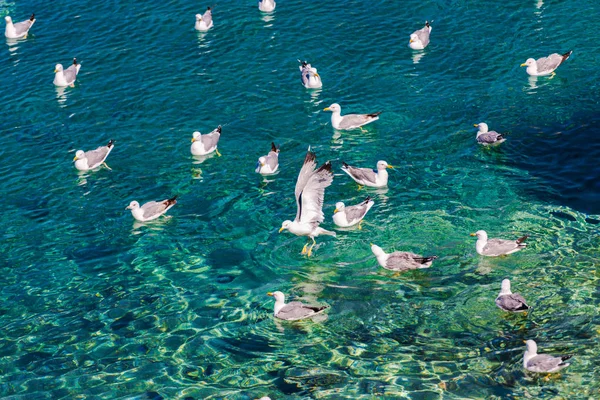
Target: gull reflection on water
(417, 56)
(267, 18)
(61, 95)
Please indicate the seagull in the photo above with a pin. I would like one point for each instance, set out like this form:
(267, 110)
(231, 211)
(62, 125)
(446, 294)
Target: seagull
(401, 260)
(204, 22)
(205, 144)
(18, 30)
(295, 310)
(310, 78)
(545, 65)
(66, 78)
(497, 247)
(509, 301)
(486, 137)
(419, 39)
(92, 159)
(534, 362)
(309, 192)
(269, 164)
(266, 5)
(151, 210)
(348, 216)
(349, 121)
(367, 176)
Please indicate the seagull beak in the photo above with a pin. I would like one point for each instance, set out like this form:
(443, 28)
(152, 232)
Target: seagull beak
(75, 158)
(372, 244)
(523, 65)
(193, 140)
(473, 234)
(524, 341)
(55, 71)
(270, 294)
(317, 75)
(326, 109)
(390, 166)
(336, 210)
(476, 125)
(281, 229)
(411, 41)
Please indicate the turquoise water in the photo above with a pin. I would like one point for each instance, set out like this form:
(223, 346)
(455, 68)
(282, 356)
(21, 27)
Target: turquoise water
(96, 306)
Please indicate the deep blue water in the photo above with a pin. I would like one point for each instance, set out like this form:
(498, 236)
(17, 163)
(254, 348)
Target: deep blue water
(96, 306)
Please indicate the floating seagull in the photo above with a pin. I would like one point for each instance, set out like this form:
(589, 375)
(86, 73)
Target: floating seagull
(18, 30)
(205, 144)
(66, 78)
(310, 78)
(534, 362)
(486, 137)
(349, 121)
(295, 310)
(266, 5)
(367, 176)
(204, 22)
(309, 192)
(419, 39)
(348, 216)
(401, 260)
(269, 164)
(509, 301)
(84, 161)
(151, 210)
(545, 65)
(497, 247)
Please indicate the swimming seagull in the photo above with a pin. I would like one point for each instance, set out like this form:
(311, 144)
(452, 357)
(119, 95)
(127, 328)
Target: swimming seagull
(204, 22)
(92, 159)
(419, 39)
(66, 77)
(206, 144)
(310, 78)
(269, 164)
(486, 137)
(349, 121)
(401, 260)
(18, 30)
(545, 65)
(367, 176)
(509, 301)
(543, 363)
(497, 247)
(151, 210)
(295, 310)
(349, 216)
(310, 191)
(266, 5)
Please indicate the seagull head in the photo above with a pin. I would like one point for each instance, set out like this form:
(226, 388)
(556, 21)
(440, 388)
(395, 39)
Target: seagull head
(483, 127)
(198, 17)
(381, 165)
(58, 68)
(378, 251)
(531, 346)
(481, 235)
(339, 206)
(286, 225)
(195, 136)
(505, 288)
(262, 161)
(133, 205)
(79, 155)
(413, 37)
(279, 296)
(8, 19)
(529, 62)
(335, 107)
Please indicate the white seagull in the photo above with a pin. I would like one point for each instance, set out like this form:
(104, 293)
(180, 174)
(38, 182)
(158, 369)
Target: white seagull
(419, 39)
(295, 310)
(84, 161)
(349, 216)
(349, 121)
(204, 22)
(18, 30)
(266, 5)
(497, 247)
(367, 176)
(545, 65)
(268, 164)
(509, 301)
(542, 363)
(310, 78)
(401, 260)
(205, 144)
(151, 210)
(486, 137)
(66, 77)
(309, 192)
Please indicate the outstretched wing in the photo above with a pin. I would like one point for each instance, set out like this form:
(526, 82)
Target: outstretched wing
(303, 176)
(310, 190)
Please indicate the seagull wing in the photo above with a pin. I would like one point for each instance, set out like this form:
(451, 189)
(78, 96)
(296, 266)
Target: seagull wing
(310, 209)
(296, 310)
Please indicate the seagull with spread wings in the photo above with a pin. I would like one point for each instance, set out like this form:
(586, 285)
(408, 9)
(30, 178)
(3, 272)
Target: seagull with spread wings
(310, 191)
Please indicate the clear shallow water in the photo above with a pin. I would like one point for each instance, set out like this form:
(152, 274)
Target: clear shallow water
(96, 306)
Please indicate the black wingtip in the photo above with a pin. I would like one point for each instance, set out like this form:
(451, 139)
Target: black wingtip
(368, 199)
(32, 17)
(325, 167)
(345, 165)
(219, 128)
(567, 55)
(427, 24)
(74, 61)
(274, 148)
(172, 200)
(373, 115)
(522, 239)
(310, 156)
(567, 357)
(111, 143)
